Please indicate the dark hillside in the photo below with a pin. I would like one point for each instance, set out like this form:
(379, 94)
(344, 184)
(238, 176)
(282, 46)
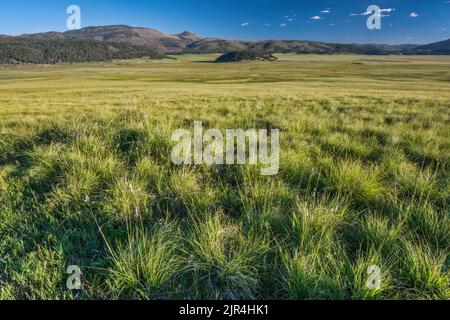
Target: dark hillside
(239, 56)
(25, 50)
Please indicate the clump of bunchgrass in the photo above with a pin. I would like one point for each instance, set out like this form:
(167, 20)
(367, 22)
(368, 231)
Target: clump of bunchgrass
(146, 265)
(314, 264)
(365, 284)
(224, 263)
(424, 272)
(360, 183)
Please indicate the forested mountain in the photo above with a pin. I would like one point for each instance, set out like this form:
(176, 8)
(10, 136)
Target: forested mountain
(124, 42)
(157, 40)
(288, 46)
(29, 50)
(188, 42)
(438, 48)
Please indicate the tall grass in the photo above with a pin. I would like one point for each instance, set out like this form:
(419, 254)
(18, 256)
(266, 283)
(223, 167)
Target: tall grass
(86, 179)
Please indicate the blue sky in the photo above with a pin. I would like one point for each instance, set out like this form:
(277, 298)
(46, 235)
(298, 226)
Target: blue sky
(404, 21)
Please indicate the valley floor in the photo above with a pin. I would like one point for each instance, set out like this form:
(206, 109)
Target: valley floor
(86, 179)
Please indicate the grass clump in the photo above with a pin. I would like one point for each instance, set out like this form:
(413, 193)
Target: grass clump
(145, 266)
(224, 263)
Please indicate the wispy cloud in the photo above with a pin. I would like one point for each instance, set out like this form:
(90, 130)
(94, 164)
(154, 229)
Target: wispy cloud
(316, 18)
(414, 15)
(245, 24)
(367, 13)
(326, 11)
(283, 25)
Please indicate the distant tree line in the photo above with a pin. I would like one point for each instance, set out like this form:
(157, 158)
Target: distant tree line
(25, 50)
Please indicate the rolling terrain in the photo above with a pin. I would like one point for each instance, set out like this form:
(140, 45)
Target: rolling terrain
(188, 42)
(86, 179)
(441, 48)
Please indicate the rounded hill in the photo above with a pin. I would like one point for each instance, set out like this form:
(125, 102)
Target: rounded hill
(240, 56)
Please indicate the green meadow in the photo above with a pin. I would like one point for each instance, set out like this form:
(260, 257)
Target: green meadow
(86, 179)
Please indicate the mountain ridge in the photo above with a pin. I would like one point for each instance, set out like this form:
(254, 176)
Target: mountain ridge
(157, 40)
(189, 42)
(441, 47)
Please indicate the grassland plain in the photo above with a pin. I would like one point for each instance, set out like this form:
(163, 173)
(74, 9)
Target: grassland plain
(86, 179)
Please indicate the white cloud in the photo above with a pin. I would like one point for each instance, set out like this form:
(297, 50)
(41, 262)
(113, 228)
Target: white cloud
(245, 24)
(283, 25)
(316, 18)
(367, 13)
(326, 11)
(414, 15)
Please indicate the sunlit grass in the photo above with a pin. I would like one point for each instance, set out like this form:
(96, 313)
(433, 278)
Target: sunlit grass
(86, 179)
